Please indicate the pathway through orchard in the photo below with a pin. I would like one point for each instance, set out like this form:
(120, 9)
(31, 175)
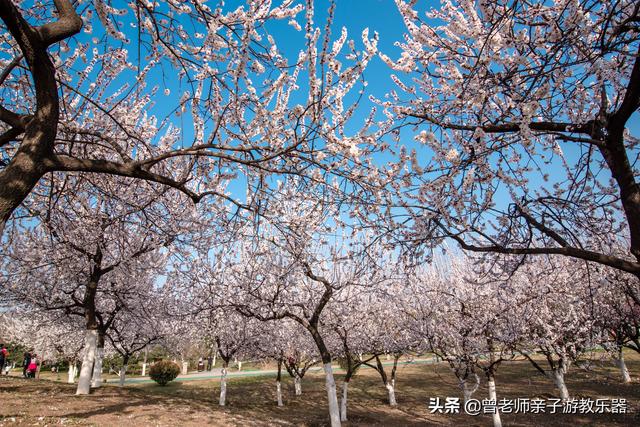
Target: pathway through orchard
(215, 373)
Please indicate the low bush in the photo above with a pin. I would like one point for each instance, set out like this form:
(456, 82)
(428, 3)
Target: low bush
(164, 371)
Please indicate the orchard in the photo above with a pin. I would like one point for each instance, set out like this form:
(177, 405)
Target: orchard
(320, 212)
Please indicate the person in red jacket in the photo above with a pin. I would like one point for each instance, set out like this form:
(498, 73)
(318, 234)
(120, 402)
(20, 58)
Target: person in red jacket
(3, 357)
(33, 367)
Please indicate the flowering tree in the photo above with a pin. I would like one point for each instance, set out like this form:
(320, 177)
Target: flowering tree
(84, 253)
(50, 335)
(618, 314)
(85, 88)
(349, 319)
(235, 337)
(385, 325)
(293, 264)
(286, 342)
(504, 91)
(138, 325)
(558, 320)
(297, 362)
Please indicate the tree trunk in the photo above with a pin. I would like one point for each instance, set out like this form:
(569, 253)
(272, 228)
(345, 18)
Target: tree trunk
(18, 179)
(279, 393)
(71, 378)
(343, 402)
(389, 385)
(497, 422)
(297, 384)
(626, 378)
(123, 374)
(391, 391)
(185, 368)
(239, 365)
(27, 166)
(558, 379)
(123, 370)
(467, 389)
(223, 385)
(334, 411)
(279, 384)
(144, 362)
(90, 342)
(96, 380)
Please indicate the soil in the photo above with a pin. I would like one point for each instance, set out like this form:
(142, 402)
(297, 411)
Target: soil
(251, 400)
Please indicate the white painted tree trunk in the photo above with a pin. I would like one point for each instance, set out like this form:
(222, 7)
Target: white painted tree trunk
(123, 374)
(90, 341)
(279, 393)
(223, 386)
(558, 379)
(96, 379)
(468, 389)
(297, 384)
(144, 369)
(343, 403)
(626, 378)
(497, 422)
(391, 391)
(185, 368)
(239, 365)
(466, 392)
(215, 356)
(334, 410)
(71, 378)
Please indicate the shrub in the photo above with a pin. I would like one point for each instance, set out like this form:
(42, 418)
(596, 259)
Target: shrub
(164, 371)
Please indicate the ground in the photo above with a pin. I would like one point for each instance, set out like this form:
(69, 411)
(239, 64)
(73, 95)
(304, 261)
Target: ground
(251, 399)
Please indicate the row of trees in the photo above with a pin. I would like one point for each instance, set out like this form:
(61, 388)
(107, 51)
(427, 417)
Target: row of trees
(300, 286)
(345, 203)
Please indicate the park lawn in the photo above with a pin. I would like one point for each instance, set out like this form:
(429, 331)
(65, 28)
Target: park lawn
(251, 400)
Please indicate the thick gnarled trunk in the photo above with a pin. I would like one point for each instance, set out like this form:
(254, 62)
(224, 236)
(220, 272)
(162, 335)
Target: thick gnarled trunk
(558, 379)
(27, 166)
(96, 380)
(86, 371)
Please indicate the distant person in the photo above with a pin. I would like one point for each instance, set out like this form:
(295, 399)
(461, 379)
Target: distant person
(33, 367)
(25, 363)
(3, 357)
